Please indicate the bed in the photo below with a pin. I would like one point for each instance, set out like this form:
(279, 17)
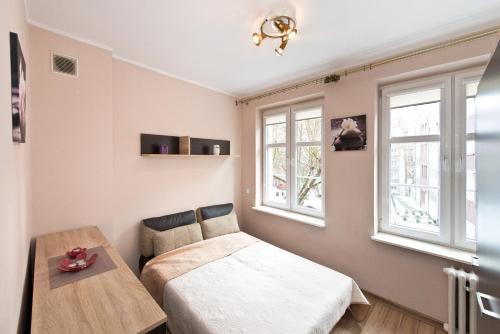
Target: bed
(236, 283)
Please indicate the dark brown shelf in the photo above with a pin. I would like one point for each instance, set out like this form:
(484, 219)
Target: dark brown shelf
(157, 155)
(182, 145)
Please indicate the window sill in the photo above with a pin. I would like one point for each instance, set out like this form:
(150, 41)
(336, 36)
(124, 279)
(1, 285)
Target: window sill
(318, 222)
(426, 248)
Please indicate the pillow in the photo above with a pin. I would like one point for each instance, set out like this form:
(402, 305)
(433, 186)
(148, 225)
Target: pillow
(218, 226)
(151, 226)
(177, 237)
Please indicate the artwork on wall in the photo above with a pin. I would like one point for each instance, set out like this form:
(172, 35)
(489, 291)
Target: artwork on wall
(18, 89)
(348, 133)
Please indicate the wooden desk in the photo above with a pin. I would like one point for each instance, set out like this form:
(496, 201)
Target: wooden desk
(112, 302)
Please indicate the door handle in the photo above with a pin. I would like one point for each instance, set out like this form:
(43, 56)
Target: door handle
(492, 307)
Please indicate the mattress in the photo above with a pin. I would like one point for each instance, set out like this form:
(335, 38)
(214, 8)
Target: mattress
(249, 286)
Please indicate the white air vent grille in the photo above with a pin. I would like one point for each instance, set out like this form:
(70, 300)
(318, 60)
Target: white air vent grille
(64, 65)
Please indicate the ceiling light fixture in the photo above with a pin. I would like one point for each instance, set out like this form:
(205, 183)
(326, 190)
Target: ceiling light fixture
(279, 51)
(282, 27)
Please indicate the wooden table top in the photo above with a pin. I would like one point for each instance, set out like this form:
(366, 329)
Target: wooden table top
(111, 302)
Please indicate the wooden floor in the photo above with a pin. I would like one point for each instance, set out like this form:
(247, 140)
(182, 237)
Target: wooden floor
(386, 318)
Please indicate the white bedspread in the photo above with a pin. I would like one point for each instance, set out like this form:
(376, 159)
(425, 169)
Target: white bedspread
(259, 289)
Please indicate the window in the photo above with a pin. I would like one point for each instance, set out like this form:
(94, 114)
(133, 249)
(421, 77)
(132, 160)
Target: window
(427, 162)
(293, 158)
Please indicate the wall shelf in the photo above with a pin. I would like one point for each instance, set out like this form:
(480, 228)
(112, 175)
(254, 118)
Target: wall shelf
(157, 155)
(183, 146)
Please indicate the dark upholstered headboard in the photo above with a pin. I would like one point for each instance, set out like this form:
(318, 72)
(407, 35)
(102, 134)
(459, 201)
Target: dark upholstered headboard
(168, 222)
(213, 211)
(159, 224)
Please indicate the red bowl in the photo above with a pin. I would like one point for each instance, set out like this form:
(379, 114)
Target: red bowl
(75, 251)
(81, 262)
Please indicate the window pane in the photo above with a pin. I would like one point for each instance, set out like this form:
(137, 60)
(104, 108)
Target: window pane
(420, 97)
(308, 125)
(470, 190)
(276, 181)
(275, 129)
(471, 89)
(416, 208)
(308, 113)
(415, 120)
(276, 119)
(470, 163)
(414, 185)
(470, 121)
(308, 179)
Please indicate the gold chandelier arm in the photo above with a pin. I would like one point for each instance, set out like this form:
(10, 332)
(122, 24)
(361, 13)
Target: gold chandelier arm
(283, 29)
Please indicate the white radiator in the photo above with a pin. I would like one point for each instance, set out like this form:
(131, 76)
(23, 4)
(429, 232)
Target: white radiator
(465, 284)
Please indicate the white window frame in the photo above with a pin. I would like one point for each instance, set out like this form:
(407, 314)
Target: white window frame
(444, 84)
(452, 157)
(268, 113)
(461, 79)
(291, 150)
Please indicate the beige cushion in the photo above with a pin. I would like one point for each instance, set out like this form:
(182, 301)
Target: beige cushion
(217, 226)
(177, 237)
(146, 240)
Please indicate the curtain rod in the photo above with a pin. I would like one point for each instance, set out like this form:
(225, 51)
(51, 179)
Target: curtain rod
(325, 79)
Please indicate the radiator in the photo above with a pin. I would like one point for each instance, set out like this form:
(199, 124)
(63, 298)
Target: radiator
(462, 302)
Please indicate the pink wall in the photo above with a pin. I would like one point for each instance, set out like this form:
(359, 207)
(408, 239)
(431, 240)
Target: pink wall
(15, 224)
(72, 131)
(147, 102)
(406, 277)
(87, 168)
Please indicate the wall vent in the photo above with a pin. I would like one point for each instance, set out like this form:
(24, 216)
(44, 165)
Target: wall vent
(64, 65)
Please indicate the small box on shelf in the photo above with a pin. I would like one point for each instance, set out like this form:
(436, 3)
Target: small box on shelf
(184, 145)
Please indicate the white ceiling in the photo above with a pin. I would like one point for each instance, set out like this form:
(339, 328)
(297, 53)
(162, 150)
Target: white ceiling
(208, 42)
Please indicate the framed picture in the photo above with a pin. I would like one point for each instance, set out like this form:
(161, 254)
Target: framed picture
(18, 89)
(348, 133)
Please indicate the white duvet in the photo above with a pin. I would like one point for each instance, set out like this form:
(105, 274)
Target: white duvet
(259, 289)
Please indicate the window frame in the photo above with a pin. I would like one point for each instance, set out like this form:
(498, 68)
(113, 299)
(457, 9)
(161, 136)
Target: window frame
(460, 173)
(291, 151)
(452, 157)
(444, 84)
(265, 146)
